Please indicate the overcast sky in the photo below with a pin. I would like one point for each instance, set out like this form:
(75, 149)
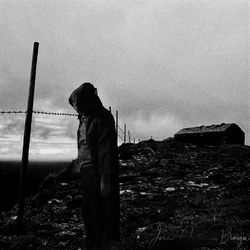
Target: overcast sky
(164, 64)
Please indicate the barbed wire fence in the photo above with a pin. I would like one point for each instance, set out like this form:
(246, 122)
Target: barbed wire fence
(27, 132)
(123, 135)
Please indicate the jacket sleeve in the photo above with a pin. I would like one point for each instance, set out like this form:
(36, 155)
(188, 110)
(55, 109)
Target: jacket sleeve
(105, 148)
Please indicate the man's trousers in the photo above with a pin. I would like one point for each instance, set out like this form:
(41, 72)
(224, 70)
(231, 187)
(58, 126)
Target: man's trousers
(100, 214)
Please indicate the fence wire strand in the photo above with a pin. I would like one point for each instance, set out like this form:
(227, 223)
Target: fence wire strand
(121, 129)
(38, 112)
(120, 136)
(52, 113)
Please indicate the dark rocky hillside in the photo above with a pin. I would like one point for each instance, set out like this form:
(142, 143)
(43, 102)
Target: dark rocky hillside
(173, 196)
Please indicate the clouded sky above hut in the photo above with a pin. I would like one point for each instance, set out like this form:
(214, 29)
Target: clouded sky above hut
(163, 64)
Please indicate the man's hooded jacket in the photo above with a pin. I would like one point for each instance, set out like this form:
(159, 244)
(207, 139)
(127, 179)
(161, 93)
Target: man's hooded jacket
(100, 128)
(101, 138)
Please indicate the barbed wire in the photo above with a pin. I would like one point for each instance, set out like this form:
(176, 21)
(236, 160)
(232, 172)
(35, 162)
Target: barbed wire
(52, 113)
(13, 112)
(38, 112)
(120, 136)
(120, 129)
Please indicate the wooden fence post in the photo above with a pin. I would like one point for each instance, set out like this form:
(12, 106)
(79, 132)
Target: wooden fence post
(26, 139)
(129, 136)
(125, 133)
(116, 123)
(110, 110)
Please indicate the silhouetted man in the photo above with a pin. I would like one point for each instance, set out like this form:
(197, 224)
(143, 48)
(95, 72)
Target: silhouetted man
(99, 166)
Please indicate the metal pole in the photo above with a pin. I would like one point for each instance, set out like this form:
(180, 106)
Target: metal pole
(26, 139)
(125, 133)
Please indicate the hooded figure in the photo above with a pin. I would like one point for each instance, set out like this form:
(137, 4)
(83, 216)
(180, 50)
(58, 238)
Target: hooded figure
(99, 166)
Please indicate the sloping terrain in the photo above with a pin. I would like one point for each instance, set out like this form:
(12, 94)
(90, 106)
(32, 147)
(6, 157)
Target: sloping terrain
(173, 196)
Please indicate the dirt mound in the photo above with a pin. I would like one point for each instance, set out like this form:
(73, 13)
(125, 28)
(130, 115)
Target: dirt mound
(173, 195)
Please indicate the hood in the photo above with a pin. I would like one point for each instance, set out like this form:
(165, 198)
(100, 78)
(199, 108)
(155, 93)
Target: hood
(84, 99)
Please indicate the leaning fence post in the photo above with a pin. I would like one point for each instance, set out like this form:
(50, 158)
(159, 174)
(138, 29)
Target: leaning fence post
(125, 133)
(26, 139)
(116, 123)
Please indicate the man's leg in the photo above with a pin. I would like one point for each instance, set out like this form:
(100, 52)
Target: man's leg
(92, 215)
(107, 221)
(111, 208)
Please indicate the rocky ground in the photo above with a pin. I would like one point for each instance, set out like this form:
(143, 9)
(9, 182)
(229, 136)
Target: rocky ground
(173, 196)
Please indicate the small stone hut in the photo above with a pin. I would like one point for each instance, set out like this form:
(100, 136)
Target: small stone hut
(223, 133)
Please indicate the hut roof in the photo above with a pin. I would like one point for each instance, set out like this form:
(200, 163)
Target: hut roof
(205, 129)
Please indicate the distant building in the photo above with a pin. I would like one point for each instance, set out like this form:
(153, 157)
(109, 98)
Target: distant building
(223, 133)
